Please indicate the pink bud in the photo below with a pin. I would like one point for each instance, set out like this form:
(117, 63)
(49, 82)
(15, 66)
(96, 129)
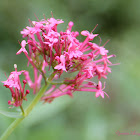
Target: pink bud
(27, 91)
(9, 102)
(24, 82)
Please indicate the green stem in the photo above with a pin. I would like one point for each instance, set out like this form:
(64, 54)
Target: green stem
(11, 128)
(56, 83)
(22, 110)
(26, 113)
(36, 100)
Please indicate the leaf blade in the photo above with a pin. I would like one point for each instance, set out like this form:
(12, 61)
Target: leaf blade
(11, 114)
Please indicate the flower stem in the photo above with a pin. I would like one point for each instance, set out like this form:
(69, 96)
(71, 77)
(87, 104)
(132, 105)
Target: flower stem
(11, 128)
(22, 110)
(56, 83)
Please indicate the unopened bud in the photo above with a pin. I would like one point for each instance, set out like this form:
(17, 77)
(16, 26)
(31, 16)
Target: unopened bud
(34, 22)
(15, 66)
(24, 82)
(27, 91)
(9, 102)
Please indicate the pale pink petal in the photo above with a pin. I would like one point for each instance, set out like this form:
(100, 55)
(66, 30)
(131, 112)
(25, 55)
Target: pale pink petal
(99, 85)
(90, 35)
(23, 44)
(103, 51)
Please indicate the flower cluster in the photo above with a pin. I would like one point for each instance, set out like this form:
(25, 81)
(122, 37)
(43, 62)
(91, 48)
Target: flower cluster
(14, 84)
(61, 53)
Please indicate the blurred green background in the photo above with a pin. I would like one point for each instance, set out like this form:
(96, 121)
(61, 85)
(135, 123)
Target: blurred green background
(84, 117)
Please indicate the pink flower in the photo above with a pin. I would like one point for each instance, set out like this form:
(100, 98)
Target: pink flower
(13, 83)
(89, 35)
(90, 87)
(100, 91)
(51, 38)
(37, 78)
(75, 54)
(103, 51)
(70, 25)
(34, 85)
(23, 44)
(54, 93)
(89, 71)
(25, 32)
(61, 66)
(54, 22)
(62, 51)
(30, 31)
(13, 79)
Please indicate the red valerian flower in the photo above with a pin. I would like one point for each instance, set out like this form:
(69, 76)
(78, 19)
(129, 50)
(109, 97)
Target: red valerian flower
(23, 44)
(18, 92)
(59, 55)
(99, 91)
(61, 52)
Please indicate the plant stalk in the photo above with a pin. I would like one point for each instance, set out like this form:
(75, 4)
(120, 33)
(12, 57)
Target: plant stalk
(11, 128)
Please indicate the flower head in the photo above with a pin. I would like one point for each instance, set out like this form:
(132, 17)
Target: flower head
(62, 52)
(17, 91)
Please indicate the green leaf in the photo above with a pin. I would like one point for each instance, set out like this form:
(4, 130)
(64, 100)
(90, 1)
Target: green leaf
(11, 114)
